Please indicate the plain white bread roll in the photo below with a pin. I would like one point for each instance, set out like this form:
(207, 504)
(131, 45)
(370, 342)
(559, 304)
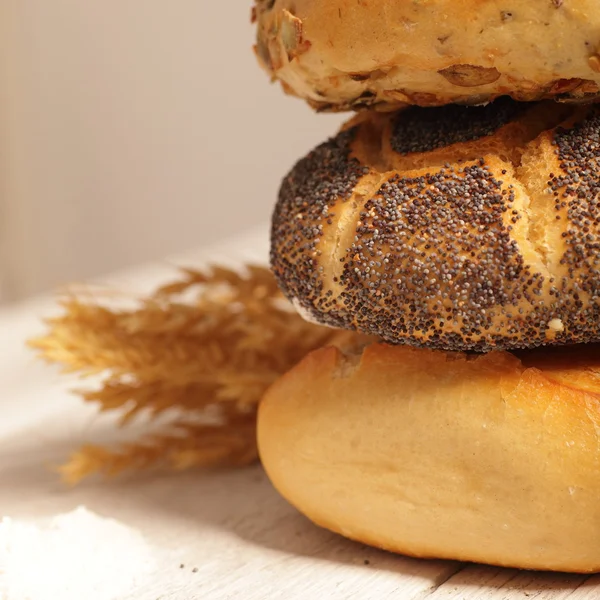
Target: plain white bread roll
(485, 458)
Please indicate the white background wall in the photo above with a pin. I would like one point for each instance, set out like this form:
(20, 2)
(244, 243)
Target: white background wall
(132, 129)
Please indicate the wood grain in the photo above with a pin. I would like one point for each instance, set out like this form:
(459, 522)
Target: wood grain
(476, 582)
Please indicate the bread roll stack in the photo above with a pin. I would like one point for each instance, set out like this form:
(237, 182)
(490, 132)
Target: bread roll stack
(455, 219)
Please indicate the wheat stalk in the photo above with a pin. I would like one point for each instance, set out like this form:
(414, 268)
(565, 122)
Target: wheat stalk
(217, 351)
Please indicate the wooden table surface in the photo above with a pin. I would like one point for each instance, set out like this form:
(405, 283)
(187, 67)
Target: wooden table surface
(242, 538)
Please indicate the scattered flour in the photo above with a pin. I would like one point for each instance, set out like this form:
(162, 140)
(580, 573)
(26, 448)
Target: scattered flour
(76, 556)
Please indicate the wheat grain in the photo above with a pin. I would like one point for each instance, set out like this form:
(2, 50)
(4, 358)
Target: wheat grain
(213, 340)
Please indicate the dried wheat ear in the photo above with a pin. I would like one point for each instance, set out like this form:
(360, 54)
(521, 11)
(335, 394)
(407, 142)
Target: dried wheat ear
(208, 345)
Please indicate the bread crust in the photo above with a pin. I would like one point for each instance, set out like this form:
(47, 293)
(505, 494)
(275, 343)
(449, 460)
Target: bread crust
(344, 54)
(491, 458)
(457, 228)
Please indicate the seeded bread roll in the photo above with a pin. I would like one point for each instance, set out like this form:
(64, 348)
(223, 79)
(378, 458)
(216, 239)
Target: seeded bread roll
(344, 54)
(491, 458)
(457, 228)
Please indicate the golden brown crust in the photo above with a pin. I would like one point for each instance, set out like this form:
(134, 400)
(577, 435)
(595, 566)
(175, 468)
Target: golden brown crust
(342, 54)
(491, 459)
(455, 228)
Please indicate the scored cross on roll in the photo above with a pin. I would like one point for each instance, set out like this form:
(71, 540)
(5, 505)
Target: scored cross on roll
(457, 228)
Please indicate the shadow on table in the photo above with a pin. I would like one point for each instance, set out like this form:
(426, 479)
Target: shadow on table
(241, 502)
